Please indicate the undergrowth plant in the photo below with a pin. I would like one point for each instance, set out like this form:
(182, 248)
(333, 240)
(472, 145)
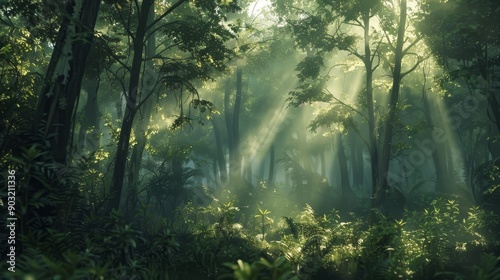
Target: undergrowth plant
(264, 221)
(279, 269)
(223, 240)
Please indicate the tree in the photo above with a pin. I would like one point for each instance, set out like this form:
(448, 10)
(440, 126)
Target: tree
(199, 38)
(143, 123)
(466, 47)
(314, 35)
(464, 38)
(359, 14)
(63, 80)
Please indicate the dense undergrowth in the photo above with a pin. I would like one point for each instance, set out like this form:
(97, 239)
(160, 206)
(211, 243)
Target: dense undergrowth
(254, 238)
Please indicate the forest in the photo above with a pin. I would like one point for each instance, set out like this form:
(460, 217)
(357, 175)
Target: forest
(250, 139)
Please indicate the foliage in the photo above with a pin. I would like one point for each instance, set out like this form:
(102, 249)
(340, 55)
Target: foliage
(485, 185)
(423, 244)
(185, 222)
(280, 269)
(308, 187)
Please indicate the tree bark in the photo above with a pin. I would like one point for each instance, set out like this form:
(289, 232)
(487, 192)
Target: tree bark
(88, 136)
(130, 109)
(234, 155)
(229, 126)
(63, 80)
(272, 160)
(357, 163)
(372, 134)
(347, 194)
(143, 123)
(382, 186)
(494, 107)
(220, 152)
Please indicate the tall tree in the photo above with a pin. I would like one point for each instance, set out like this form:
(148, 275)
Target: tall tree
(397, 75)
(360, 14)
(142, 124)
(63, 80)
(197, 43)
(221, 160)
(131, 105)
(464, 38)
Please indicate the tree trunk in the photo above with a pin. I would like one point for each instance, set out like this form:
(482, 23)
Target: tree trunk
(89, 134)
(382, 186)
(220, 152)
(494, 108)
(130, 109)
(178, 180)
(143, 123)
(372, 134)
(234, 155)
(272, 160)
(347, 194)
(357, 163)
(302, 147)
(63, 80)
(119, 110)
(229, 126)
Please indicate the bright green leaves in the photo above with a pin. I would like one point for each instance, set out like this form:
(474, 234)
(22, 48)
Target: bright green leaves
(225, 2)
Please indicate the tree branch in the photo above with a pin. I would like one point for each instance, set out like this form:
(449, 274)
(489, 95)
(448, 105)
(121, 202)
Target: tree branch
(347, 105)
(166, 13)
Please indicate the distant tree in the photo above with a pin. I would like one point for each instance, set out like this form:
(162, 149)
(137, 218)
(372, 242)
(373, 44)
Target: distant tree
(464, 36)
(318, 33)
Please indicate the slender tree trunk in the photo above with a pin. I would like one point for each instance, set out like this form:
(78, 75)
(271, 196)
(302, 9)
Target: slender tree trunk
(142, 123)
(372, 134)
(272, 160)
(305, 156)
(347, 194)
(88, 136)
(234, 154)
(119, 110)
(63, 80)
(220, 152)
(130, 109)
(382, 186)
(356, 162)
(132, 103)
(178, 180)
(494, 108)
(229, 127)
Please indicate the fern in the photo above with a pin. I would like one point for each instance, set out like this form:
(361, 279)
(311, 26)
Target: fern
(488, 268)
